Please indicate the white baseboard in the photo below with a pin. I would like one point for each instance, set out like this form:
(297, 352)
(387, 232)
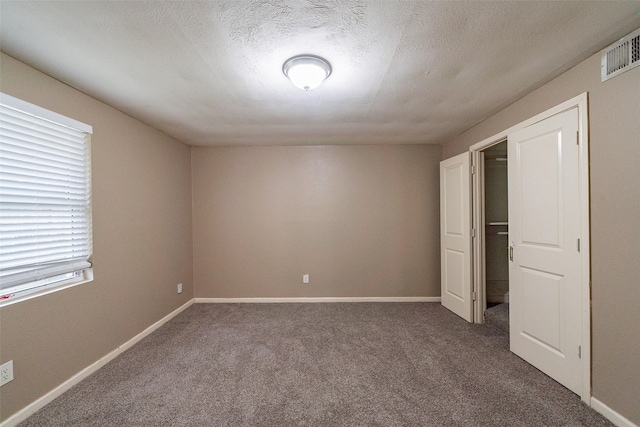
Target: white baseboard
(317, 299)
(33, 407)
(610, 414)
(498, 298)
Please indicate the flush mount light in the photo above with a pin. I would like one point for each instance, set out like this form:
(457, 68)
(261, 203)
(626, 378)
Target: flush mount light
(306, 71)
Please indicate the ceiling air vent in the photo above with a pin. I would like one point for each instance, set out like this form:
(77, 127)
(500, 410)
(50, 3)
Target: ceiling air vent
(621, 56)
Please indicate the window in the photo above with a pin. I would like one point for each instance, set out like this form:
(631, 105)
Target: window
(45, 201)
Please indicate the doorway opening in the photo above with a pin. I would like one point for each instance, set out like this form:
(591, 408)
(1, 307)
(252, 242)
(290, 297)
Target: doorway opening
(494, 235)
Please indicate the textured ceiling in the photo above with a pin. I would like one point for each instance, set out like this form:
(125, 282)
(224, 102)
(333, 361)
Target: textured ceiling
(210, 72)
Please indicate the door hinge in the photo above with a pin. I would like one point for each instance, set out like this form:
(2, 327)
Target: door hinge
(578, 137)
(579, 352)
(578, 245)
(475, 296)
(473, 170)
(473, 232)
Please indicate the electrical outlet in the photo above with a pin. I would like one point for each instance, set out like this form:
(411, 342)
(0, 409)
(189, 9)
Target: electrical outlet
(305, 278)
(6, 372)
(179, 288)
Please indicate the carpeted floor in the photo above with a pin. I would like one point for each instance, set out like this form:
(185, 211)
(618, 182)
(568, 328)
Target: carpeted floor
(358, 364)
(498, 317)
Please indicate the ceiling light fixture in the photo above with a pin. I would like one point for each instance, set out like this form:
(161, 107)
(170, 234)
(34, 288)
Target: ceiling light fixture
(306, 71)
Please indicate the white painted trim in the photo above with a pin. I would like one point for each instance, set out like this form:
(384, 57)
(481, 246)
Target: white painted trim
(477, 222)
(315, 300)
(38, 404)
(580, 102)
(585, 243)
(35, 110)
(610, 414)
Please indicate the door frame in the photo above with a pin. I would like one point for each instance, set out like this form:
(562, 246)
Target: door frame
(479, 282)
(581, 103)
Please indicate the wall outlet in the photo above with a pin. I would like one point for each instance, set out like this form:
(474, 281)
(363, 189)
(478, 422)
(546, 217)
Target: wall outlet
(6, 372)
(179, 288)
(305, 278)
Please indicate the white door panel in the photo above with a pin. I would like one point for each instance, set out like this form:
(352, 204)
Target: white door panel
(544, 228)
(543, 295)
(454, 273)
(540, 211)
(455, 235)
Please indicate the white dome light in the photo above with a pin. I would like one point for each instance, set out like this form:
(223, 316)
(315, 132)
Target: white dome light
(306, 71)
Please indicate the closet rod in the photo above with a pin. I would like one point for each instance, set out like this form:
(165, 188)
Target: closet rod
(497, 223)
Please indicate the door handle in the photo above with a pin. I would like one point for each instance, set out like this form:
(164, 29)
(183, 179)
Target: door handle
(510, 253)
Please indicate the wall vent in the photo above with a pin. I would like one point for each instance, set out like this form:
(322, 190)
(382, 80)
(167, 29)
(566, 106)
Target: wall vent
(621, 56)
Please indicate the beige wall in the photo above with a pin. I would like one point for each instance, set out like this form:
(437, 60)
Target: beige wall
(363, 221)
(614, 119)
(142, 246)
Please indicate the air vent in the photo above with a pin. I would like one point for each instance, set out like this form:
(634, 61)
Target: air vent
(621, 56)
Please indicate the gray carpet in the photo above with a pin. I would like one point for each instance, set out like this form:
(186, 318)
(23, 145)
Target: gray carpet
(498, 317)
(358, 364)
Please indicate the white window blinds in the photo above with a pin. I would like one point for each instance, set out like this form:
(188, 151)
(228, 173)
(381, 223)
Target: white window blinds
(45, 198)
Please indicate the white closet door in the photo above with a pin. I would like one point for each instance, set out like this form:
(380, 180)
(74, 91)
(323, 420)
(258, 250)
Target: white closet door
(455, 235)
(544, 232)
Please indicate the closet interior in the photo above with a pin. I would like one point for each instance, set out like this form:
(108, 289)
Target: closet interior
(496, 213)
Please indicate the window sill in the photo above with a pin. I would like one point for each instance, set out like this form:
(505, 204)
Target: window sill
(10, 298)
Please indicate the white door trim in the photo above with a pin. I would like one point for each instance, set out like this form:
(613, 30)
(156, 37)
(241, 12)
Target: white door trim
(478, 284)
(581, 102)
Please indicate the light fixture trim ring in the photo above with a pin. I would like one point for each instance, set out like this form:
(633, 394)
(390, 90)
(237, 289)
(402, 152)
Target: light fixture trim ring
(307, 59)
